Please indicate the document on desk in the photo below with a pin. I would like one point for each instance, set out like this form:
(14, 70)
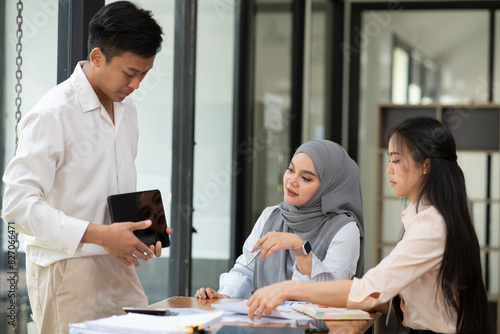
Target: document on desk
(284, 311)
(135, 323)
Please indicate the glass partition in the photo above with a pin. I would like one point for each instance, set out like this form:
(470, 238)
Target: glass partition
(154, 103)
(316, 119)
(39, 74)
(213, 165)
(496, 69)
(272, 99)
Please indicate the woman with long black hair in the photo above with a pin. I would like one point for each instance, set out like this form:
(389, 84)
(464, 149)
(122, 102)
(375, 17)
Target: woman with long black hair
(434, 272)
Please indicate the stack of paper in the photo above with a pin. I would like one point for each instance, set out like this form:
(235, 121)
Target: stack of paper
(134, 323)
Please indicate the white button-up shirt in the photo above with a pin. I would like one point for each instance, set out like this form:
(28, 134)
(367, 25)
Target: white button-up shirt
(411, 270)
(70, 158)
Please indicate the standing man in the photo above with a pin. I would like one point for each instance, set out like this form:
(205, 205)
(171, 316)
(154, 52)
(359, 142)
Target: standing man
(77, 146)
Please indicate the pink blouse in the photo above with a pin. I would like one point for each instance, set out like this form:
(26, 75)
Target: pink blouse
(411, 270)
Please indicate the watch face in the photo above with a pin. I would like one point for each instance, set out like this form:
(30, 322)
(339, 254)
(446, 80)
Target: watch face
(306, 248)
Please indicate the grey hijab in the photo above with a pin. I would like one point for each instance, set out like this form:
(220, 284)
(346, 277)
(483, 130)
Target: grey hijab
(336, 202)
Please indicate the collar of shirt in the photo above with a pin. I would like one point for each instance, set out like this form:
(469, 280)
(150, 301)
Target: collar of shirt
(86, 94)
(88, 98)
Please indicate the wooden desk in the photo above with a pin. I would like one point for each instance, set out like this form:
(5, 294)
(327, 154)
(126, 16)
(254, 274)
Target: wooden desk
(337, 326)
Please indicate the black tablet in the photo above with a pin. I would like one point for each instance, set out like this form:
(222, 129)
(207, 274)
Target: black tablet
(138, 206)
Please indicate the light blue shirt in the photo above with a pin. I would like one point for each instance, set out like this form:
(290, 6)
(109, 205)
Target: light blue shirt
(339, 263)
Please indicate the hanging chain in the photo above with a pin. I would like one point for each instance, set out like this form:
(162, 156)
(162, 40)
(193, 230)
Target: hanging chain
(18, 102)
(19, 62)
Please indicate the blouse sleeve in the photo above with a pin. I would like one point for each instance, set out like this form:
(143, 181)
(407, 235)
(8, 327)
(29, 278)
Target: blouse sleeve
(238, 282)
(340, 260)
(420, 251)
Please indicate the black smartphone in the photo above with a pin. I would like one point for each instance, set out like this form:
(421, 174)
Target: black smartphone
(151, 311)
(138, 206)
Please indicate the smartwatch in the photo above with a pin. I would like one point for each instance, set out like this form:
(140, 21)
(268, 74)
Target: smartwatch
(305, 249)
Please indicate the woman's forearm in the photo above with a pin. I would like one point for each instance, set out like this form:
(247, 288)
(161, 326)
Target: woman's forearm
(330, 293)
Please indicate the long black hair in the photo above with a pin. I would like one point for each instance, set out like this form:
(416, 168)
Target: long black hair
(444, 188)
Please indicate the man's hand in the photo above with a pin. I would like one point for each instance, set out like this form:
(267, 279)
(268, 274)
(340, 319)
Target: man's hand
(120, 242)
(156, 249)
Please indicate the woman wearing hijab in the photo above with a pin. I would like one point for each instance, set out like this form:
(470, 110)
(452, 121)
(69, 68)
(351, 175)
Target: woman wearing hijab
(432, 279)
(315, 234)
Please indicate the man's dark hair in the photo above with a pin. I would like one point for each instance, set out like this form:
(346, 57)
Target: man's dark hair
(121, 26)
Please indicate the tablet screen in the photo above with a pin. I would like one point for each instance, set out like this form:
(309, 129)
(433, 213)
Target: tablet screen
(138, 206)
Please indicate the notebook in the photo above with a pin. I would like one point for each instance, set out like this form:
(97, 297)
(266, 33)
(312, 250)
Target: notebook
(330, 313)
(139, 206)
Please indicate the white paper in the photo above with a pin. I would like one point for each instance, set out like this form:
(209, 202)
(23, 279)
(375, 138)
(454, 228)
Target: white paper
(134, 323)
(238, 317)
(284, 311)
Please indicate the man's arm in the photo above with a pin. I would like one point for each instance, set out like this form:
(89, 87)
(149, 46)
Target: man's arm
(120, 242)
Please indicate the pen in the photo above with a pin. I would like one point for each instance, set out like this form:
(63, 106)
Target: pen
(256, 254)
(253, 258)
(388, 313)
